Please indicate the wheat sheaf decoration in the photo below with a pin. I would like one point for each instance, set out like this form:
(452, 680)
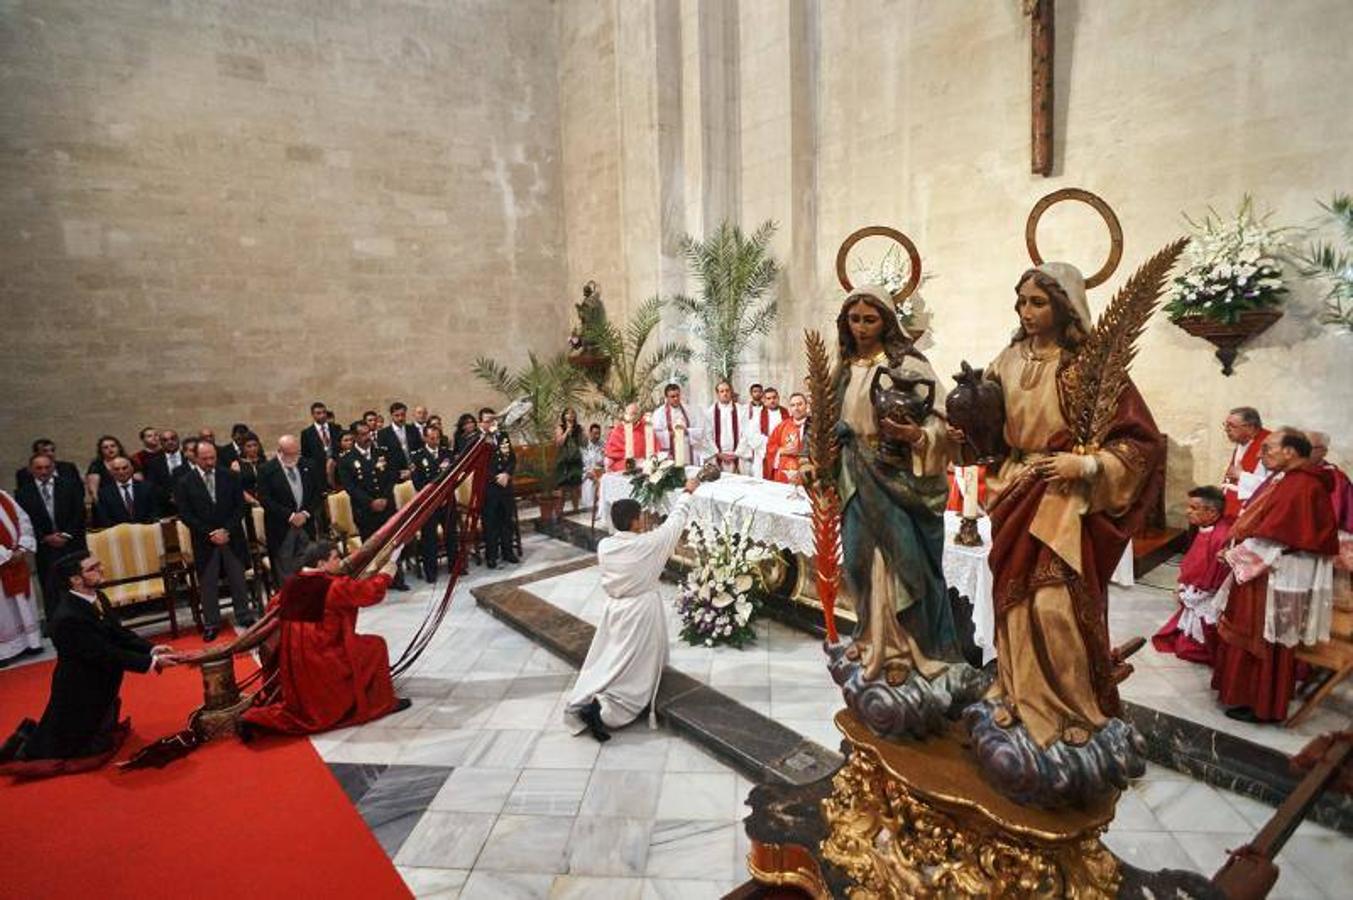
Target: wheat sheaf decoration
(1095, 378)
(824, 454)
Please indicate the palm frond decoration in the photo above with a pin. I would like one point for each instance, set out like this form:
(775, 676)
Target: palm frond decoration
(637, 372)
(550, 385)
(824, 451)
(735, 272)
(1093, 381)
(1331, 263)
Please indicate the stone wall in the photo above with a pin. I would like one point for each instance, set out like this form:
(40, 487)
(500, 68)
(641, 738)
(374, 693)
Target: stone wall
(916, 114)
(220, 211)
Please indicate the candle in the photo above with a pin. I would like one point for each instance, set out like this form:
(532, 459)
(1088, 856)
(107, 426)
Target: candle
(648, 437)
(629, 438)
(681, 452)
(968, 487)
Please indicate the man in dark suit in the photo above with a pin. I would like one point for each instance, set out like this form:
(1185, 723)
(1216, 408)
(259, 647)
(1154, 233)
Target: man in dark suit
(64, 469)
(163, 468)
(400, 439)
(367, 475)
(319, 441)
(210, 502)
(56, 505)
(92, 651)
(291, 498)
(428, 462)
(124, 499)
(498, 496)
(233, 451)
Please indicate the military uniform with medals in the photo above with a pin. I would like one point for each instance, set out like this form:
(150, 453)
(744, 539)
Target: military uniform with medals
(498, 502)
(426, 463)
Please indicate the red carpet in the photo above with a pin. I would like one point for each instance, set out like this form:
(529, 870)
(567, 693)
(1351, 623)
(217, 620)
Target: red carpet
(229, 820)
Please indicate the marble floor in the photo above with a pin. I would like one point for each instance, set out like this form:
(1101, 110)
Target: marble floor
(1166, 820)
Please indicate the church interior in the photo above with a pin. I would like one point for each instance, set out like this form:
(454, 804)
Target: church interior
(676, 448)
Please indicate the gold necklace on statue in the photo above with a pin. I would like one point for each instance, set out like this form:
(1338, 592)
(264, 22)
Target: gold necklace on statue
(1032, 372)
(878, 358)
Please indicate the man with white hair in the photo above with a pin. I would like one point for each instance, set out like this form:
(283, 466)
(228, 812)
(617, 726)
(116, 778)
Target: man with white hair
(1245, 472)
(1342, 494)
(289, 489)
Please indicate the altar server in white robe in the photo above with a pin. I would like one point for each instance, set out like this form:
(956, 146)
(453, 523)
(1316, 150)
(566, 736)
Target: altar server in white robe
(19, 633)
(727, 421)
(620, 675)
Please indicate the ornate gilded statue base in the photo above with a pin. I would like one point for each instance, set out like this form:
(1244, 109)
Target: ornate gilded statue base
(222, 704)
(909, 706)
(917, 820)
(1061, 774)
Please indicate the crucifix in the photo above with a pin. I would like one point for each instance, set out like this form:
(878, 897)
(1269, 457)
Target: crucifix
(1041, 42)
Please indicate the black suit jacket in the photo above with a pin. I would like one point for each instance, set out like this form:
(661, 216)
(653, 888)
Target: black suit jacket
(111, 509)
(226, 454)
(387, 439)
(161, 481)
(202, 516)
(92, 652)
(312, 448)
(68, 495)
(279, 504)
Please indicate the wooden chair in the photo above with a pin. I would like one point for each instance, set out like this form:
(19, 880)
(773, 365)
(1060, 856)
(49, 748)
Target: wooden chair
(1336, 655)
(342, 527)
(135, 574)
(475, 535)
(256, 534)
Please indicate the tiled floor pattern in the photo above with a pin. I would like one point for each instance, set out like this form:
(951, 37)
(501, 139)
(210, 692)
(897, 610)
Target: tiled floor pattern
(1166, 820)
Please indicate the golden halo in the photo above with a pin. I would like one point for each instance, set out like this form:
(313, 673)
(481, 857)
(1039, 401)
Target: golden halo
(881, 231)
(1096, 203)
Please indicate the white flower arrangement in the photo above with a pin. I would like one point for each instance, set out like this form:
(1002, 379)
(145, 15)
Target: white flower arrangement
(653, 479)
(1230, 267)
(723, 590)
(893, 272)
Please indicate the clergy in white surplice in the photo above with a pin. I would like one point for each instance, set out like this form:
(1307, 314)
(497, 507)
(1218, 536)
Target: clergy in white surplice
(678, 429)
(620, 675)
(19, 633)
(727, 421)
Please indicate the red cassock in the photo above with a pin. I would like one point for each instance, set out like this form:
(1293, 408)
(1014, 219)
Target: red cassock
(1296, 512)
(329, 676)
(615, 446)
(1200, 569)
(784, 449)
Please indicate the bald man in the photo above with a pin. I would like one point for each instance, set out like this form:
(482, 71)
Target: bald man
(289, 489)
(123, 499)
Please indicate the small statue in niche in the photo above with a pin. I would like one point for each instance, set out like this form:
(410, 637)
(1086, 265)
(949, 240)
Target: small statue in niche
(591, 314)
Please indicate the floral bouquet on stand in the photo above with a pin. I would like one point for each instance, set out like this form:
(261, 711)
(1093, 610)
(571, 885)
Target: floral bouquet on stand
(1231, 267)
(724, 589)
(653, 479)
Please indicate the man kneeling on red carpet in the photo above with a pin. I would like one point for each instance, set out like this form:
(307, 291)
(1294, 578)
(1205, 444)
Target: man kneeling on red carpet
(328, 675)
(81, 728)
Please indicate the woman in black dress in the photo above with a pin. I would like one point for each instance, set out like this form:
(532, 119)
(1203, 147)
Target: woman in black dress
(568, 459)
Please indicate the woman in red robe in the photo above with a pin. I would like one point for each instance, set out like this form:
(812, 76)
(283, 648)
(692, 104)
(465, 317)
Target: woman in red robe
(328, 675)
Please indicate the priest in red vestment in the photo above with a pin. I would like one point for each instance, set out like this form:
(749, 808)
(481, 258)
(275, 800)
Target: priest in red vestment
(629, 439)
(1280, 592)
(765, 417)
(328, 675)
(788, 444)
(1191, 633)
(1246, 470)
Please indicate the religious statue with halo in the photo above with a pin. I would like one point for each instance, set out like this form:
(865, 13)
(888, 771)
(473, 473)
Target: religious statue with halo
(903, 673)
(957, 783)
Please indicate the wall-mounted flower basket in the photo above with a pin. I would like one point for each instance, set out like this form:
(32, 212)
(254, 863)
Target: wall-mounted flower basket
(1228, 336)
(594, 365)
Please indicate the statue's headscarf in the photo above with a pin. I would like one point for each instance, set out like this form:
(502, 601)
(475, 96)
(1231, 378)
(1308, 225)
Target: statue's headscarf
(1073, 285)
(896, 342)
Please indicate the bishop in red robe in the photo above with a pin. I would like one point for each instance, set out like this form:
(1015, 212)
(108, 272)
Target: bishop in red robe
(1191, 633)
(1246, 471)
(1287, 526)
(328, 675)
(788, 447)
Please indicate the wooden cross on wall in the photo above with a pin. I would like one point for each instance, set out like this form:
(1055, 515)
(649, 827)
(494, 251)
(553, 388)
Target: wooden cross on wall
(1041, 44)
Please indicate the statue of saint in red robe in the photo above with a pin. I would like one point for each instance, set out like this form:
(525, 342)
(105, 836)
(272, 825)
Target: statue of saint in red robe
(1281, 590)
(328, 675)
(1191, 633)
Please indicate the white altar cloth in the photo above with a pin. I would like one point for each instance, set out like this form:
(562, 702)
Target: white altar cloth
(776, 514)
